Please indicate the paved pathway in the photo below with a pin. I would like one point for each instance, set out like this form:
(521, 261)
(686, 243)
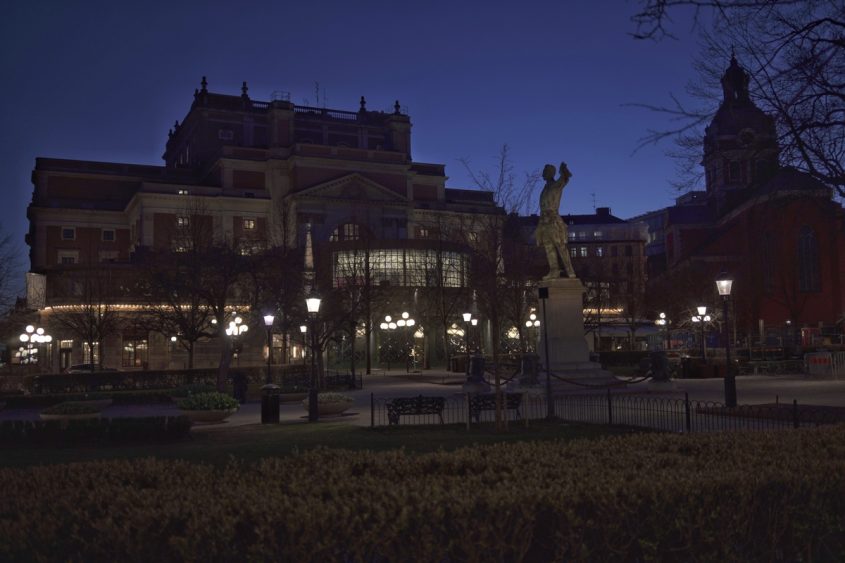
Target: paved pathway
(751, 389)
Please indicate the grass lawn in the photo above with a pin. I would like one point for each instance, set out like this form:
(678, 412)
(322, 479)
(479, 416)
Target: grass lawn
(253, 442)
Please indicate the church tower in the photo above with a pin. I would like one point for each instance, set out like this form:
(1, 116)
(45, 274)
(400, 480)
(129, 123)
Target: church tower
(740, 144)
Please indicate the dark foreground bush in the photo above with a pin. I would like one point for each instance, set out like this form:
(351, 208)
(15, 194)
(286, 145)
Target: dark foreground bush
(725, 497)
(93, 431)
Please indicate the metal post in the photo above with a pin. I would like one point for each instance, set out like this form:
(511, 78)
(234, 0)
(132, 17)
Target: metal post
(703, 342)
(609, 408)
(313, 413)
(550, 408)
(372, 410)
(466, 345)
(269, 378)
(730, 379)
(687, 417)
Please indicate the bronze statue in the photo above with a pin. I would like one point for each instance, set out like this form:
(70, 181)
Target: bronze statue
(551, 231)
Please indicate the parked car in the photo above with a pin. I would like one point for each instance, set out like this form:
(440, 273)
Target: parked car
(87, 368)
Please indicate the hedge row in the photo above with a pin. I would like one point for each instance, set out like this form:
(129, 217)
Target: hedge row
(720, 497)
(94, 431)
(104, 381)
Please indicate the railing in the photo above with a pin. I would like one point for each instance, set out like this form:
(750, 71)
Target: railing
(323, 112)
(636, 411)
(825, 364)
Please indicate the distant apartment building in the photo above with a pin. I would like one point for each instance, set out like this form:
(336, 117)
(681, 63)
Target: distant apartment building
(608, 254)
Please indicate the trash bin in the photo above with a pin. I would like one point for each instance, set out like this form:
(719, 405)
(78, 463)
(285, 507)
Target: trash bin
(476, 368)
(270, 404)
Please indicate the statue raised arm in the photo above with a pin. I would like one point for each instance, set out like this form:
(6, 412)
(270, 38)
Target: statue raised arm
(551, 231)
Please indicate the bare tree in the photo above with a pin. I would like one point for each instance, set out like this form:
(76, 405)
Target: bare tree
(89, 293)
(9, 269)
(794, 52)
(490, 272)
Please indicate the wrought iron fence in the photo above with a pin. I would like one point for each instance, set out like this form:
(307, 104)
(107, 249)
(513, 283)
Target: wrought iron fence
(665, 414)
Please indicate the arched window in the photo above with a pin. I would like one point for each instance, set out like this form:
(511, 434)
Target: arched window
(808, 260)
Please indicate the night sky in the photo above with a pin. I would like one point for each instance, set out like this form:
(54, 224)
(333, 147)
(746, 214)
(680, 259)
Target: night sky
(105, 80)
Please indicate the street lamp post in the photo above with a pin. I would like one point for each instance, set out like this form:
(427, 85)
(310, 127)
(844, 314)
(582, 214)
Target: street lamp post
(404, 322)
(663, 323)
(235, 329)
(467, 318)
(33, 338)
(313, 305)
(268, 322)
(304, 330)
(724, 284)
(702, 318)
(533, 322)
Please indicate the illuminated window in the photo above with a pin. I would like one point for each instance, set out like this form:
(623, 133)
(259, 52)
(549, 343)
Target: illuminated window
(401, 268)
(598, 234)
(424, 232)
(181, 222)
(473, 237)
(249, 224)
(182, 192)
(583, 252)
(134, 353)
(87, 357)
(573, 252)
(599, 251)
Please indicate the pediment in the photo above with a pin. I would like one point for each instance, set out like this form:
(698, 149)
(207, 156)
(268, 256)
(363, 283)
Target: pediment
(352, 187)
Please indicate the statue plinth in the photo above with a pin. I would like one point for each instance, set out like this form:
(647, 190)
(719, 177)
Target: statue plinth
(569, 356)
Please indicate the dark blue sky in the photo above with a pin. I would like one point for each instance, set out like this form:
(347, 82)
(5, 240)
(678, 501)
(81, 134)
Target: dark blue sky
(105, 81)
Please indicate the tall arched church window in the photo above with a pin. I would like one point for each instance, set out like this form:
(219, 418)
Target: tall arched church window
(808, 260)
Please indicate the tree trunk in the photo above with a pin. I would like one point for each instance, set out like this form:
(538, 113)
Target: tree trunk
(191, 355)
(352, 352)
(225, 362)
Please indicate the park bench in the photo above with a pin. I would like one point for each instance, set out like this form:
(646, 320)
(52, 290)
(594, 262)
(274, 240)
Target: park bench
(487, 402)
(415, 406)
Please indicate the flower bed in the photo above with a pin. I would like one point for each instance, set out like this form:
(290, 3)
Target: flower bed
(208, 407)
(715, 497)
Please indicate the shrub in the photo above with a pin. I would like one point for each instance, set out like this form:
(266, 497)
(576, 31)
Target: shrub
(208, 401)
(71, 409)
(716, 497)
(188, 390)
(334, 398)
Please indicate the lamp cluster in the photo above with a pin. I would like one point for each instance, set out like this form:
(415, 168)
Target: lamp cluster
(404, 321)
(532, 321)
(236, 327)
(32, 337)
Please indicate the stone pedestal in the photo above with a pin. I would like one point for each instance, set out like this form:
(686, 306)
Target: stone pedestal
(569, 356)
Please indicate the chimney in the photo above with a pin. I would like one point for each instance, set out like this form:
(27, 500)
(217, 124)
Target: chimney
(603, 211)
